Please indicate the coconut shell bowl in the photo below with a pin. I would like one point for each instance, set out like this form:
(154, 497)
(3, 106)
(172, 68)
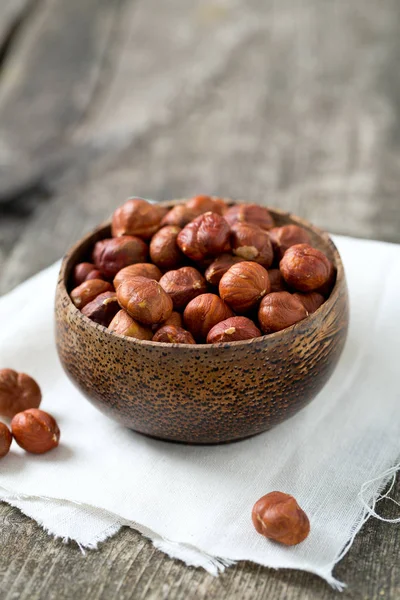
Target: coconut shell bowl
(203, 393)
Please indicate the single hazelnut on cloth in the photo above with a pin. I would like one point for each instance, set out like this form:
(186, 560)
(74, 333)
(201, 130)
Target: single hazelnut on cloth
(310, 300)
(139, 269)
(233, 329)
(171, 334)
(35, 431)
(286, 236)
(277, 282)
(203, 312)
(112, 255)
(280, 310)
(5, 440)
(85, 271)
(137, 217)
(144, 300)
(18, 392)
(164, 251)
(203, 204)
(243, 286)
(305, 268)
(183, 285)
(207, 236)
(250, 213)
(180, 215)
(278, 517)
(88, 290)
(123, 324)
(102, 309)
(219, 267)
(250, 242)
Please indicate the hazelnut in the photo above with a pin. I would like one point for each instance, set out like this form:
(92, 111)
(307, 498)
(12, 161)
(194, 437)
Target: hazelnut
(203, 204)
(88, 290)
(280, 310)
(277, 516)
(102, 309)
(203, 312)
(18, 392)
(164, 251)
(179, 216)
(208, 235)
(187, 241)
(305, 268)
(233, 330)
(123, 324)
(276, 280)
(250, 213)
(219, 267)
(137, 217)
(144, 300)
(35, 431)
(310, 300)
(284, 237)
(243, 286)
(5, 440)
(139, 269)
(252, 243)
(82, 271)
(183, 285)
(174, 319)
(112, 255)
(171, 334)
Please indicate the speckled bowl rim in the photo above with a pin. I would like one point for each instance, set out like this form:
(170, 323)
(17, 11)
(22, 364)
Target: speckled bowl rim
(329, 302)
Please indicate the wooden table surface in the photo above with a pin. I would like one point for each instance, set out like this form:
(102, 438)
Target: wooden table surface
(292, 103)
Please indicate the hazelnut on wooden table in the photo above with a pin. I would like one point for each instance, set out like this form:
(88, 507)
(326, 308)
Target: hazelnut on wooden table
(139, 269)
(203, 312)
(233, 329)
(18, 392)
(88, 290)
(277, 516)
(137, 217)
(35, 431)
(144, 300)
(286, 236)
(305, 268)
(5, 440)
(123, 324)
(280, 310)
(112, 255)
(250, 242)
(250, 213)
(243, 286)
(172, 334)
(182, 285)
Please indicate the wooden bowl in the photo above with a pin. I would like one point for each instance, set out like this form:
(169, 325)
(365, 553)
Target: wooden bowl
(202, 393)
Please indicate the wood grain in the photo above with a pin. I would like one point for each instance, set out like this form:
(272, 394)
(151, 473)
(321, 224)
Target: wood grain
(293, 103)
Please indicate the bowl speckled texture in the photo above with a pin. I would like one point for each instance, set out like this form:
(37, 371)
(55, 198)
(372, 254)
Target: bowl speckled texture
(204, 393)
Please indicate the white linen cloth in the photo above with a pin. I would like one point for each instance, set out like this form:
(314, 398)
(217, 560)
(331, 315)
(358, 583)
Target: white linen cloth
(195, 502)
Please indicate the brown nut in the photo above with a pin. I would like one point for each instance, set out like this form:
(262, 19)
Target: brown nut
(5, 440)
(278, 517)
(250, 213)
(88, 290)
(179, 216)
(175, 319)
(137, 217)
(139, 269)
(310, 300)
(164, 251)
(203, 204)
(243, 286)
(284, 237)
(144, 300)
(18, 392)
(123, 324)
(276, 280)
(206, 236)
(305, 268)
(171, 334)
(219, 267)
(233, 329)
(112, 255)
(250, 242)
(82, 272)
(280, 310)
(203, 312)
(183, 285)
(102, 309)
(35, 431)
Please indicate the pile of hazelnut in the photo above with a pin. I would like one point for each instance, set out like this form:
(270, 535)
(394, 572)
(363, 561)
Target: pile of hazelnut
(217, 273)
(33, 429)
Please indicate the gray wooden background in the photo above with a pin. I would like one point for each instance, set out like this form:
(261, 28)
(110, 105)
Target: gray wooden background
(292, 103)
